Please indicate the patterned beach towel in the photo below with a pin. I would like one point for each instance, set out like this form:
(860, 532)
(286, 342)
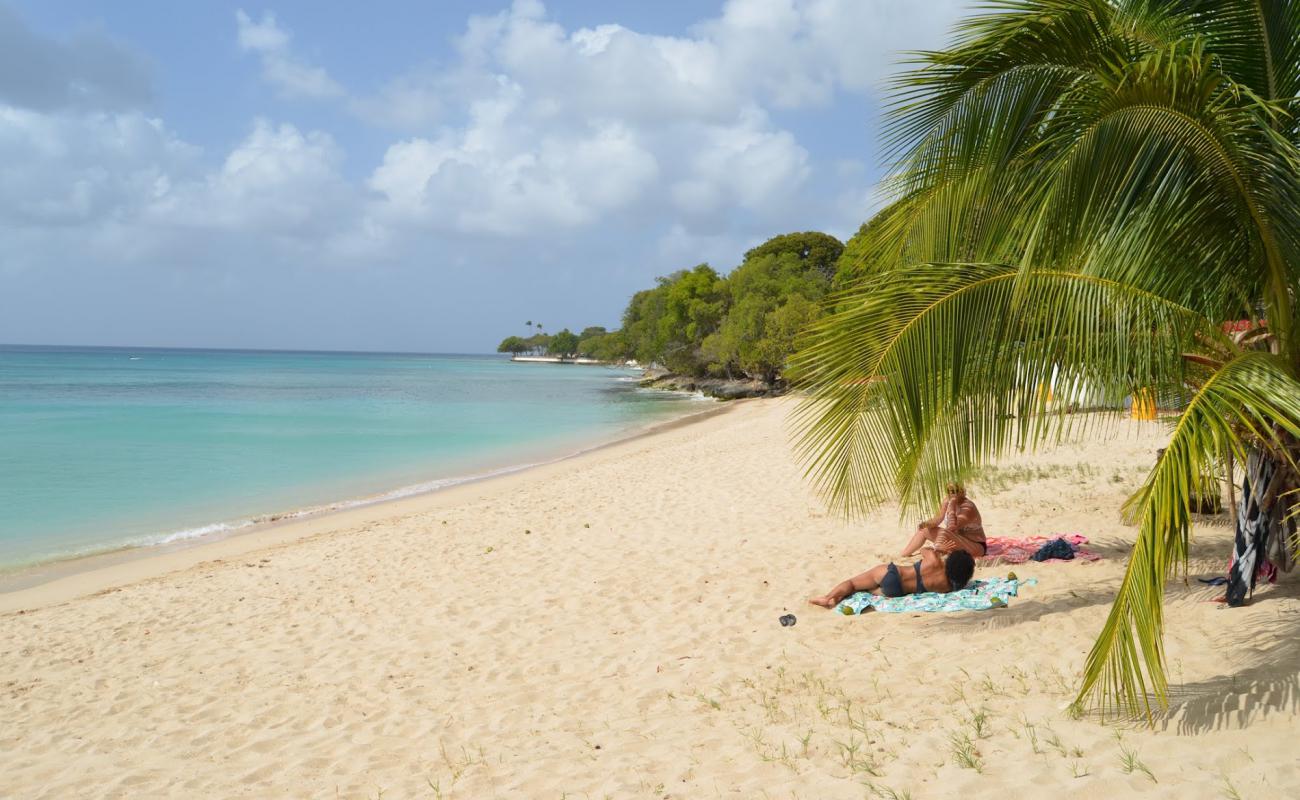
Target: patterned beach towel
(979, 595)
(1005, 550)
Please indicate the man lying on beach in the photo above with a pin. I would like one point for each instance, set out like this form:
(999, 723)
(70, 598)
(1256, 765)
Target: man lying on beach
(933, 573)
(957, 526)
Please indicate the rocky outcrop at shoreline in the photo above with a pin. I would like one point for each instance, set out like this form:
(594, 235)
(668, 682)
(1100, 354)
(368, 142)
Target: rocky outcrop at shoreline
(721, 388)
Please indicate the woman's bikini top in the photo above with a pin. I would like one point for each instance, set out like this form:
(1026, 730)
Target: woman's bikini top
(949, 522)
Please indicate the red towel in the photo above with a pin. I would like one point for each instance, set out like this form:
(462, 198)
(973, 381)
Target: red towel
(1006, 550)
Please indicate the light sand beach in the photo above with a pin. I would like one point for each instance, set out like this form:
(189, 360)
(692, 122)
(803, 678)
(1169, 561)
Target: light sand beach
(607, 627)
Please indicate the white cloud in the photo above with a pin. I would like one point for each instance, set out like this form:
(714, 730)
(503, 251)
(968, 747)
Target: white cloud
(277, 181)
(118, 187)
(500, 175)
(290, 75)
(67, 169)
(562, 128)
(531, 131)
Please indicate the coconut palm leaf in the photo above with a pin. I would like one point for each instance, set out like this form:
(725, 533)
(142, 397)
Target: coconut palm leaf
(936, 369)
(1251, 400)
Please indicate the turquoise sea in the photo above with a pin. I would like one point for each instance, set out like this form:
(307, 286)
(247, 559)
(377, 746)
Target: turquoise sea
(103, 448)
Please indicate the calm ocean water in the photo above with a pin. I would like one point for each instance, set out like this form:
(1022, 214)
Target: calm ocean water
(103, 448)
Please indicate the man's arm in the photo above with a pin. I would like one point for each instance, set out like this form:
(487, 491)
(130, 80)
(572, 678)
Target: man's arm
(932, 522)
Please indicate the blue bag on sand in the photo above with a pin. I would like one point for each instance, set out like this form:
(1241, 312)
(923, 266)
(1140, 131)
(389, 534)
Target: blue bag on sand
(1057, 548)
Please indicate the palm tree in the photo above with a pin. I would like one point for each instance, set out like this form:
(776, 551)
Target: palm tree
(1082, 192)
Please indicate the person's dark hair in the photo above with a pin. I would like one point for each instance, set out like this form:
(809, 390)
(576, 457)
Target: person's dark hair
(959, 567)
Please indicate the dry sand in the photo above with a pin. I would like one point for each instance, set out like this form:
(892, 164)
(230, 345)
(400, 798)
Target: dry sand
(607, 626)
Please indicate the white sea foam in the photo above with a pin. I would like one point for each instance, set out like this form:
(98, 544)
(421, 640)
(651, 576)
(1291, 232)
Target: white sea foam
(192, 533)
(221, 529)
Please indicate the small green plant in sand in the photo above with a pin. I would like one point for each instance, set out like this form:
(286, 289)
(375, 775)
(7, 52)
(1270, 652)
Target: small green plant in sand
(770, 754)
(1130, 763)
(979, 723)
(964, 752)
(711, 702)
(1031, 733)
(1020, 677)
(995, 479)
(1229, 791)
(879, 792)
(1078, 769)
(820, 719)
(457, 766)
(804, 742)
(771, 703)
(856, 759)
(989, 687)
(880, 653)
(1054, 742)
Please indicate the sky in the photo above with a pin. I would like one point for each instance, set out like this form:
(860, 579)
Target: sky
(416, 176)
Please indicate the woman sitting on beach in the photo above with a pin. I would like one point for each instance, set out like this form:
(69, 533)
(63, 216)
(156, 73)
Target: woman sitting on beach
(933, 573)
(957, 526)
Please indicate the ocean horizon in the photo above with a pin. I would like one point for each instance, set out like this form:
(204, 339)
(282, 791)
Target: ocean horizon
(106, 448)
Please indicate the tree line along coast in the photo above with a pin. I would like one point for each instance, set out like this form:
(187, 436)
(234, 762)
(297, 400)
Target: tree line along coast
(728, 335)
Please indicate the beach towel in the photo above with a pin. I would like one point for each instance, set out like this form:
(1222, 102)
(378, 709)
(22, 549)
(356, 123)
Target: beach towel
(980, 595)
(1006, 550)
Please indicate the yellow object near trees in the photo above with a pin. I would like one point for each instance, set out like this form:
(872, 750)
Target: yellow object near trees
(1144, 405)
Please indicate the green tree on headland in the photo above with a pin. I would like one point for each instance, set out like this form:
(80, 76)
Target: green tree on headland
(1084, 191)
(564, 343)
(602, 345)
(538, 343)
(667, 324)
(513, 345)
(697, 322)
(754, 338)
(818, 251)
(611, 347)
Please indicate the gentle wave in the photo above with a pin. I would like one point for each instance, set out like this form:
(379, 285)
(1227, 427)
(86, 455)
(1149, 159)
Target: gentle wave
(425, 487)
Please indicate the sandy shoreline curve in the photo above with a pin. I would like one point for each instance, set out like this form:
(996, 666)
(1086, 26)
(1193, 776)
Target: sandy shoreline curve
(64, 579)
(607, 626)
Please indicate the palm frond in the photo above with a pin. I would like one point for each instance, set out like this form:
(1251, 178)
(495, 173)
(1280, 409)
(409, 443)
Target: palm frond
(1248, 400)
(933, 370)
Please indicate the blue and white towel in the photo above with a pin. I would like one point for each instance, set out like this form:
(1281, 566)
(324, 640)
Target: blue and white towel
(978, 596)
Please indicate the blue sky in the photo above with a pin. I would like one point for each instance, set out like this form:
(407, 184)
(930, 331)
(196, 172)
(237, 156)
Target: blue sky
(412, 175)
